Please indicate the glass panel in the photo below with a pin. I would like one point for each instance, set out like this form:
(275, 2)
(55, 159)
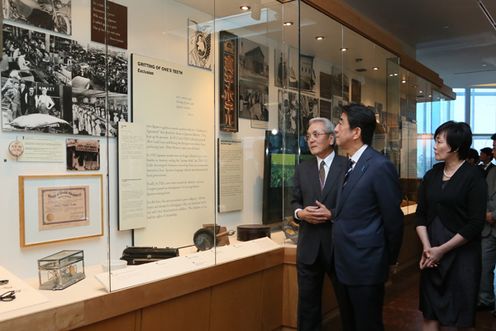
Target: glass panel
(483, 114)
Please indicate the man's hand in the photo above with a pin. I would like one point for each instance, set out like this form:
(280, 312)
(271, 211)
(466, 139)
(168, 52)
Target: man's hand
(489, 217)
(315, 214)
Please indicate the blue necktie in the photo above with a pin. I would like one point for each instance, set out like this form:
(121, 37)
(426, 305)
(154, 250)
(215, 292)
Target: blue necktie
(348, 172)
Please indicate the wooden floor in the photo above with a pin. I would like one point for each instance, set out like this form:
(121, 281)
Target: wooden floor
(401, 309)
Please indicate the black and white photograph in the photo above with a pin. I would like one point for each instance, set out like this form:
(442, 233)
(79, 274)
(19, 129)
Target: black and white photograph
(31, 56)
(89, 114)
(337, 103)
(32, 106)
(340, 84)
(253, 60)
(280, 69)
(325, 85)
(326, 110)
(307, 72)
(200, 51)
(309, 108)
(88, 67)
(356, 91)
(288, 111)
(83, 154)
(345, 84)
(253, 98)
(53, 15)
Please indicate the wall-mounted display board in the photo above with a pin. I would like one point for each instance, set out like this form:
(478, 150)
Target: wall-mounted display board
(230, 176)
(175, 106)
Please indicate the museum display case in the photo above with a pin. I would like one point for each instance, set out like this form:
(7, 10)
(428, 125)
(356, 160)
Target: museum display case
(158, 129)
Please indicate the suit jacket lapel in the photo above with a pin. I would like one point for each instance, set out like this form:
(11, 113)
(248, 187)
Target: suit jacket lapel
(353, 178)
(332, 178)
(314, 171)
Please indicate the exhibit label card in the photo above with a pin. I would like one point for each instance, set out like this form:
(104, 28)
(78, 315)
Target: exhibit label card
(175, 105)
(43, 150)
(132, 176)
(230, 176)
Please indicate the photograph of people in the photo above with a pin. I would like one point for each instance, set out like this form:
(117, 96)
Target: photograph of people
(450, 214)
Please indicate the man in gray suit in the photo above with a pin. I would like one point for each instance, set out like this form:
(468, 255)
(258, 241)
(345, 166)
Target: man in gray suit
(488, 243)
(316, 184)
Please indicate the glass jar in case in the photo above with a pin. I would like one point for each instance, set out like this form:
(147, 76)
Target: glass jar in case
(60, 270)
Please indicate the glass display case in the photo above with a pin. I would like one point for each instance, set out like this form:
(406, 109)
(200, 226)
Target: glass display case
(191, 112)
(61, 270)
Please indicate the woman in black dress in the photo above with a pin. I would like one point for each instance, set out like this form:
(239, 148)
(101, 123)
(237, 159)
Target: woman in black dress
(450, 216)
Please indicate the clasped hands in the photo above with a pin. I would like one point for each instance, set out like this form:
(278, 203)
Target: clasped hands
(315, 214)
(431, 257)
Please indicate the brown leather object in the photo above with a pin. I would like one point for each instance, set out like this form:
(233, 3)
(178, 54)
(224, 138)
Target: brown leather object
(221, 233)
(252, 231)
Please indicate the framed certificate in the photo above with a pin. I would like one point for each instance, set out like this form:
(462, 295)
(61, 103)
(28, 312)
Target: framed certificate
(58, 208)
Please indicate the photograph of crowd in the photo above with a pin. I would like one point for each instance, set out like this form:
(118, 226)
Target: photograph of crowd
(89, 115)
(253, 98)
(62, 83)
(53, 15)
(89, 65)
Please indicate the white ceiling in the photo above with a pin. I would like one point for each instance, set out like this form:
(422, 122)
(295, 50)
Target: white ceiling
(452, 37)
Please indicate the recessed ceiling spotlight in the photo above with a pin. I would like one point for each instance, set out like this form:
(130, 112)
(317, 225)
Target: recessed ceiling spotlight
(421, 91)
(319, 38)
(484, 65)
(395, 74)
(343, 49)
(245, 7)
(375, 68)
(430, 95)
(287, 23)
(403, 81)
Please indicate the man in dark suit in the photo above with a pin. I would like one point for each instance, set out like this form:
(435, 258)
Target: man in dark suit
(316, 184)
(488, 242)
(368, 223)
(486, 156)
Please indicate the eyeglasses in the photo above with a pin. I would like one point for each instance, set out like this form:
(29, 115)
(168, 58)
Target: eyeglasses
(8, 296)
(315, 135)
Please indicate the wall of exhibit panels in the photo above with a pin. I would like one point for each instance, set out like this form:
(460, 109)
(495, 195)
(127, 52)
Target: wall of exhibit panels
(160, 16)
(168, 17)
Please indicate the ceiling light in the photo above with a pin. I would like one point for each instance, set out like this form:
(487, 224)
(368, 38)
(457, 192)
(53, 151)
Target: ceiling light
(287, 23)
(403, 81)
(319, 38)
(375, 68)
(421, 91)
(343, 49)
(245, 7)
(484, 65)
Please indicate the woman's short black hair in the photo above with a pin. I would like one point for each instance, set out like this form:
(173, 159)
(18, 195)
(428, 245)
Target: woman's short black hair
(361, 117)
(458, 136)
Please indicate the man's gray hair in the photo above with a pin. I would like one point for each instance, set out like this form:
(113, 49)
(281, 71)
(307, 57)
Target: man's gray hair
(328, 126)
